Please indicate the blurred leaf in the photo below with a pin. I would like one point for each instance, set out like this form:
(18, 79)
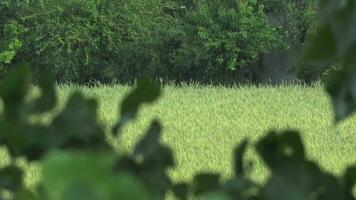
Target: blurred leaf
(26, 140)
(322, 46)
(128, 164)
(342, 88)
(80, 192)
(25, 194)
(205, 183)
(128, 187)
(11, 178)
(293, 177)
(330, 188)
(150, 162)
(181, 190)
(64, 172)
(277, 149)
(77, 125)
(215, 196)
(154, 159)
(48, 98)
(238, 158)
(36, 141)
(152, 151)
(150, 142)
(241, 188)
(293, 182)
(342, 19)
(145, 92)
(350, 183)
(13, 90)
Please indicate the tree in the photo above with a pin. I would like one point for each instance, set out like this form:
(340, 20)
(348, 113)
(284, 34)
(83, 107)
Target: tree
(221, 37)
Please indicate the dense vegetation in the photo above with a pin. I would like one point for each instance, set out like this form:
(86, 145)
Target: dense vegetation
(78, 163)
(86, 41)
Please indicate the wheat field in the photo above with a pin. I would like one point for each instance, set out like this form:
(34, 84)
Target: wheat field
(202, 124)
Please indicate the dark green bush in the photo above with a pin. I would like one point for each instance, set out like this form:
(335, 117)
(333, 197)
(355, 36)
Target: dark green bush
(85, 41)
(221, 37)
(296, 22)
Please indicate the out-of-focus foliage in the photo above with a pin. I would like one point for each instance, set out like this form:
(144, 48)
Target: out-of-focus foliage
(336, 39)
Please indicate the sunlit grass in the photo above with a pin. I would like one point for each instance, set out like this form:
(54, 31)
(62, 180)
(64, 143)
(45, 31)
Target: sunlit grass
(203, 124)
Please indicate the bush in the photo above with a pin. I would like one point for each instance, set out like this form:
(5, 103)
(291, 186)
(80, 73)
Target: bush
(83, 41)
(10, 33)
(221, 37)
(88, 41)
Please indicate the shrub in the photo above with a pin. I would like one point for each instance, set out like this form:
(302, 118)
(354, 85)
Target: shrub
(83, 41)
(221, 37)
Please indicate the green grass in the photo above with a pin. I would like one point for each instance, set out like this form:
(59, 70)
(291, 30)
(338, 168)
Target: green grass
(203, 124)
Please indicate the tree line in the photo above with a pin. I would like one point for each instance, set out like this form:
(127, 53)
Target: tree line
(220, 41)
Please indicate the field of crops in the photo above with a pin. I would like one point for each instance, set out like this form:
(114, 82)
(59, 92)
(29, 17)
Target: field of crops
(203, 124)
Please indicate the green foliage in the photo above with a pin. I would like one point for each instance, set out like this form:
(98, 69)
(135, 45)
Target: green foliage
(9, 43)
(88, 41)
(83, 41)
(296, 22)
(222, 36)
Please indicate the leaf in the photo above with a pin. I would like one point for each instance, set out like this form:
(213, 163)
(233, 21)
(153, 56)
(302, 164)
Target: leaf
(152, 151)
(145, 92)
(215, 196)
(36, 141)
(322, 46)
(238, 158)
(25, 194)
(350, 182)
(23, 139)
(11, 178)
(77, 125)
(151, 173)
(330, 188)
(80, 192)
(343, 23)
(293, 182)
(342, 89)
(13, 90)
(293, 177)
(48, 98)
(241, 188)
(279, 148)
(180, 190)
(153, 160)
(150, 142)
(69, 174)
(205, 183)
